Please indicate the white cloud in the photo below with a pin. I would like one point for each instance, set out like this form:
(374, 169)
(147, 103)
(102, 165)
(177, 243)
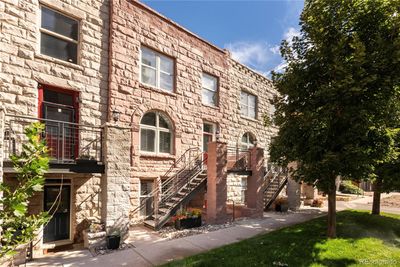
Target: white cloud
(253, 54)
(290, 33)
(275, 49)
(261, 56)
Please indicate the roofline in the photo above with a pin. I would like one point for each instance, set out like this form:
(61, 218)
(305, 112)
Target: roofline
(154, 12)
(252, 70)
(168, 20)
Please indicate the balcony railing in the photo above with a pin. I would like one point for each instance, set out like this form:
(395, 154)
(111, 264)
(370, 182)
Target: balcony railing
(67, 142)
(238, 159)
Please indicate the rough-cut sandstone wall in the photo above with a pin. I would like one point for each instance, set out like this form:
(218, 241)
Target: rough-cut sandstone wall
(234, 186)
(22, 68)
(243, 79)
(134, 25)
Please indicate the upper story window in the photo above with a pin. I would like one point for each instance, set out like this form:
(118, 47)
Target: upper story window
(155, 133)
(247, 141)
(157, 70)
(209, 90)
(248, 103)
(59, 35)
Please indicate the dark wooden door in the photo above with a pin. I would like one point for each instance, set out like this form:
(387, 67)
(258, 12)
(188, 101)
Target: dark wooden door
(58, 227)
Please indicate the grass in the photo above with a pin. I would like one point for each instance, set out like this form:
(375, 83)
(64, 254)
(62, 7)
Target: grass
(363, 240)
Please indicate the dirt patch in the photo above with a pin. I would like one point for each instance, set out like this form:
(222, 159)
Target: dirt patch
(392, 201)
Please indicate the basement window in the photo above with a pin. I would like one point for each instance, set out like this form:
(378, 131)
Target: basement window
(59, 36)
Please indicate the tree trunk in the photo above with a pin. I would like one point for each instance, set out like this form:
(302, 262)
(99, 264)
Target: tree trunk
(332, 213)
(376, 202)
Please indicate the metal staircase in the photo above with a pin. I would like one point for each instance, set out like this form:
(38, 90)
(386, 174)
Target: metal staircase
(177, 187)
(275, 184)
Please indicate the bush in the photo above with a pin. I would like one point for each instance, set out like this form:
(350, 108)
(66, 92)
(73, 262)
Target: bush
(347, 187)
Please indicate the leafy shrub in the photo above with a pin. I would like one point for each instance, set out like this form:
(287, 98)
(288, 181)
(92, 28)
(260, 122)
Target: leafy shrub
(347, 187)
(18, 227)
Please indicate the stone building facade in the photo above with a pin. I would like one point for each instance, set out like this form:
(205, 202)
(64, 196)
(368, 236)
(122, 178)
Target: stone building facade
(147, 87)
(137, 29)
(29, 71)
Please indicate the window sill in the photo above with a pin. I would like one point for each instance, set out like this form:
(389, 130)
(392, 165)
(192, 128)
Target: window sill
(58, 61)
(156, 156)
(158, 90)
(212, 107)
(249, 119)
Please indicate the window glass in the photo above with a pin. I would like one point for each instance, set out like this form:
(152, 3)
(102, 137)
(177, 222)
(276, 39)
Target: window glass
(149, 119)
(58, 98)
(56, 22)
(163, 122)
(58, 35)
(157, 70)
(55, 47)
(166, 81)
(165, 142)
(147, 140)
(155, 133)
(248, 103)
(148, 57)
(148, 75)
(209, 97)
(209, 82)
(166, 64)
(208, 128)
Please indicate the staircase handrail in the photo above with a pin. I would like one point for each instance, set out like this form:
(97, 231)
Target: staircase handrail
(173, 166)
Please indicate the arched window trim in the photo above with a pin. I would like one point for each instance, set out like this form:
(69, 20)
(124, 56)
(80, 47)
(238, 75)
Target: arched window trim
(248, 144)
(157, 129)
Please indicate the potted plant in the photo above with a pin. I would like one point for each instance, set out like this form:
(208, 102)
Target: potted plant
(318, 202)
(281, 204)
(187, 219)
(113, 240)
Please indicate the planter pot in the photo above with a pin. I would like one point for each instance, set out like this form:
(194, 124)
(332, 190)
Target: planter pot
(284, 207)
(113, 241)
(281, 207)
(188, 223)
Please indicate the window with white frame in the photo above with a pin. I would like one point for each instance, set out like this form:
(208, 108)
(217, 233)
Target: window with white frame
(243, 190)
(209, 131)
(248, 105)
(156, 133)
(59, 35)
(157, 70)
(247, 141)
(209, 90)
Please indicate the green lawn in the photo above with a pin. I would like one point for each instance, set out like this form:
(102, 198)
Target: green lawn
(363, 240)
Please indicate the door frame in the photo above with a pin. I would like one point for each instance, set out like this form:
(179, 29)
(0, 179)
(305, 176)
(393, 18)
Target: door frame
(69, 240)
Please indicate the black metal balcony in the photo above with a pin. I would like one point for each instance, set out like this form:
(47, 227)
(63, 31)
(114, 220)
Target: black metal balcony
(72, 147)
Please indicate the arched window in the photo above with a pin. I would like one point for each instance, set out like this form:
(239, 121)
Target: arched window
(248, 141)
(156, 133)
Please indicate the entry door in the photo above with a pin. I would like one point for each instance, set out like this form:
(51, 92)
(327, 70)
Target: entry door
(58, 227)
(60, 110)
(145, 189)
(61, 137)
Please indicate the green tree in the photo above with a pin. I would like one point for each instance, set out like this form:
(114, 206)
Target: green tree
(338, 92)
(17, 226)
(387, 173)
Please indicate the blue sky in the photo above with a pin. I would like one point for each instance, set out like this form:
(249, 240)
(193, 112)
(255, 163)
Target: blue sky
(251, 30)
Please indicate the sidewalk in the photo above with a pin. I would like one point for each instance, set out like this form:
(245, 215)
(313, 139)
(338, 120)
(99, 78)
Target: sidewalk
(151, 250)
